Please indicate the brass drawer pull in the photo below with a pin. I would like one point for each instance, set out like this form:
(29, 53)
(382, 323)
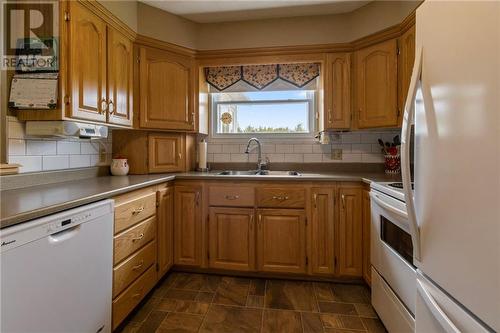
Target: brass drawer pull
(138, 238)
(232, 197)
(138, 210)
(139, 265)
(136, 295)
(280, 197)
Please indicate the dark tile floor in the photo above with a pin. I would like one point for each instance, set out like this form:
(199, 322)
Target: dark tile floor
(209, 303)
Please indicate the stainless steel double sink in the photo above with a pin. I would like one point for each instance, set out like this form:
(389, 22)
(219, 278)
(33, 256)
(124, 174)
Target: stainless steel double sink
(258, 173)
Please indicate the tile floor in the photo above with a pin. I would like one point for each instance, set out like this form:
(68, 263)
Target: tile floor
(185, 302)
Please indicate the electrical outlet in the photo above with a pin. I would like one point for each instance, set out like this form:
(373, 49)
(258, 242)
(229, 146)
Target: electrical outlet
(336, 154)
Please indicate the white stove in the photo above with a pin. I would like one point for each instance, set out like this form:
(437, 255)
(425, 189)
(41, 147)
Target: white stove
(393, 189)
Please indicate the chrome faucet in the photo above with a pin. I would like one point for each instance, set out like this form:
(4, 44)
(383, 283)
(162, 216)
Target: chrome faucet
(261, 165)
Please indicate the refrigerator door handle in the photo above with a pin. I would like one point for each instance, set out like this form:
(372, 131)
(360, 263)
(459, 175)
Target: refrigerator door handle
(436, 310)
(408, 117)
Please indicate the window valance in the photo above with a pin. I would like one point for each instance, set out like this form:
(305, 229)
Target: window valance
(260, 76)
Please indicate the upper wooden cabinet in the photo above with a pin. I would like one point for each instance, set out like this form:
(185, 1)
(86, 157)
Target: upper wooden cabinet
(281, 240)
(120, 78)
(405, 67)
(166, 82)
(166, 153)
(165, 229)
(187, 225)
(350, 232)
(322, 230)
(87, 65)
(231, 238)
(338, 91)
(376, 85)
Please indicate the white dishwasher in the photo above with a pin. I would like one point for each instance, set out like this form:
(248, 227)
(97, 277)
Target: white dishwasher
(56, 272)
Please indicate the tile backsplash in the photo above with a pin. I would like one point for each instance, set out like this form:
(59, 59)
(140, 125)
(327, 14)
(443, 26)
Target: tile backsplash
(37, 154)
(357, 147)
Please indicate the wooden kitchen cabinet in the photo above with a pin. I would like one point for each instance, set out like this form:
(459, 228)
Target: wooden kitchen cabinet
(153, 152)
(322, 230)
(350, 253)
(338, 91)
(376, 77)
(281, 240)
(166, 153)
(406, 59)
(231, 238)
(366, 237)
(166, 88)
(187, 224)
(120, 78)
(165, 221)
(87, 68)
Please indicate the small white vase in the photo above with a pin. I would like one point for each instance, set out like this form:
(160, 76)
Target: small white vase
(119, 167)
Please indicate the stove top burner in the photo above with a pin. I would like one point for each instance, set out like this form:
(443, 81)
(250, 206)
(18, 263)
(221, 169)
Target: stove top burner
(399, 185)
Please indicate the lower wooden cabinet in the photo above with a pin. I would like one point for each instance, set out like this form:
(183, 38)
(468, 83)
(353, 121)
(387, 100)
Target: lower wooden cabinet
(322, 231)
(350, 254)
(281, 240)
(231, 238)
(187, 225)
(151, 152)
(367, 218)
(165, 239)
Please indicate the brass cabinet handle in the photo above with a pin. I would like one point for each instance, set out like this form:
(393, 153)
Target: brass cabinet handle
(251, 222)
(111, 107)
(315, 196)
(104, 106)
(232, 197)
(343, 201)
(329, 116)
(280, 197)
(138, 210)
(139, 265)
(138, 238)
(197, 199)
(192, 118)
(180, 156)
(136, 295)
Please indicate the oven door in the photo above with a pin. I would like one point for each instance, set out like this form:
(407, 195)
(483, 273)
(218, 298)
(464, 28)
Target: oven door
(391, 247)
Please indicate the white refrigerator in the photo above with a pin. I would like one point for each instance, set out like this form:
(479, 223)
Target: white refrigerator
(454, 211)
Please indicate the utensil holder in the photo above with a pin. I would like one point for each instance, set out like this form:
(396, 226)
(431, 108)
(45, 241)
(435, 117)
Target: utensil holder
(392, 164)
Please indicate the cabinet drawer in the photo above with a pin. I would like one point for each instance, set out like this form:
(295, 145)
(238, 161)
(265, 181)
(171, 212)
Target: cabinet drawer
(133, 239)
(268, 197)
(134, 210)
(231, 196)
(125, 273)
(129, 299)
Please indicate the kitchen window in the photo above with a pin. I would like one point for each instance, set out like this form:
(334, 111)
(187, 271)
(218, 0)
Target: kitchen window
(263, 100)
(267, 113)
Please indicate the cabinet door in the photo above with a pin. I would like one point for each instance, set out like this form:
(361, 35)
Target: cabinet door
(120, 74)
(338, 94)
(165, 218)
(166, 90)
(405, 67)
(231, 238)
(281, 240)
(350, 233)
(322, 229)
(87, 64)
(166, 152)
(187, 225)
(366, 237)
(376, 85)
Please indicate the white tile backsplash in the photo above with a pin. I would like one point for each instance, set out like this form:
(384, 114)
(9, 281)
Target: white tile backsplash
(357, 147)
(38, 154)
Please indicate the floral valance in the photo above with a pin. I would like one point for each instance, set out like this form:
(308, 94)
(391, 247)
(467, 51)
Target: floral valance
(260, 76)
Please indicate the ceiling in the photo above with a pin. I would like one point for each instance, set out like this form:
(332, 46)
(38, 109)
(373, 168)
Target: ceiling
(209, 11)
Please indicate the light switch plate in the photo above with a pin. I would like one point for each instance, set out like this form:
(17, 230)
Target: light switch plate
(337, 154)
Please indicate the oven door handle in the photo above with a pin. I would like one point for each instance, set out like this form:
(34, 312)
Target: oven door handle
(408, 119)
(387, 207)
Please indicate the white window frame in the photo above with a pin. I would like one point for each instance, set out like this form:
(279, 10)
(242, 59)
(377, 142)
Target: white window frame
(308, 135)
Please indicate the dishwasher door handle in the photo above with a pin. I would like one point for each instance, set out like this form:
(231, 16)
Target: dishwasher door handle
(64, 235)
